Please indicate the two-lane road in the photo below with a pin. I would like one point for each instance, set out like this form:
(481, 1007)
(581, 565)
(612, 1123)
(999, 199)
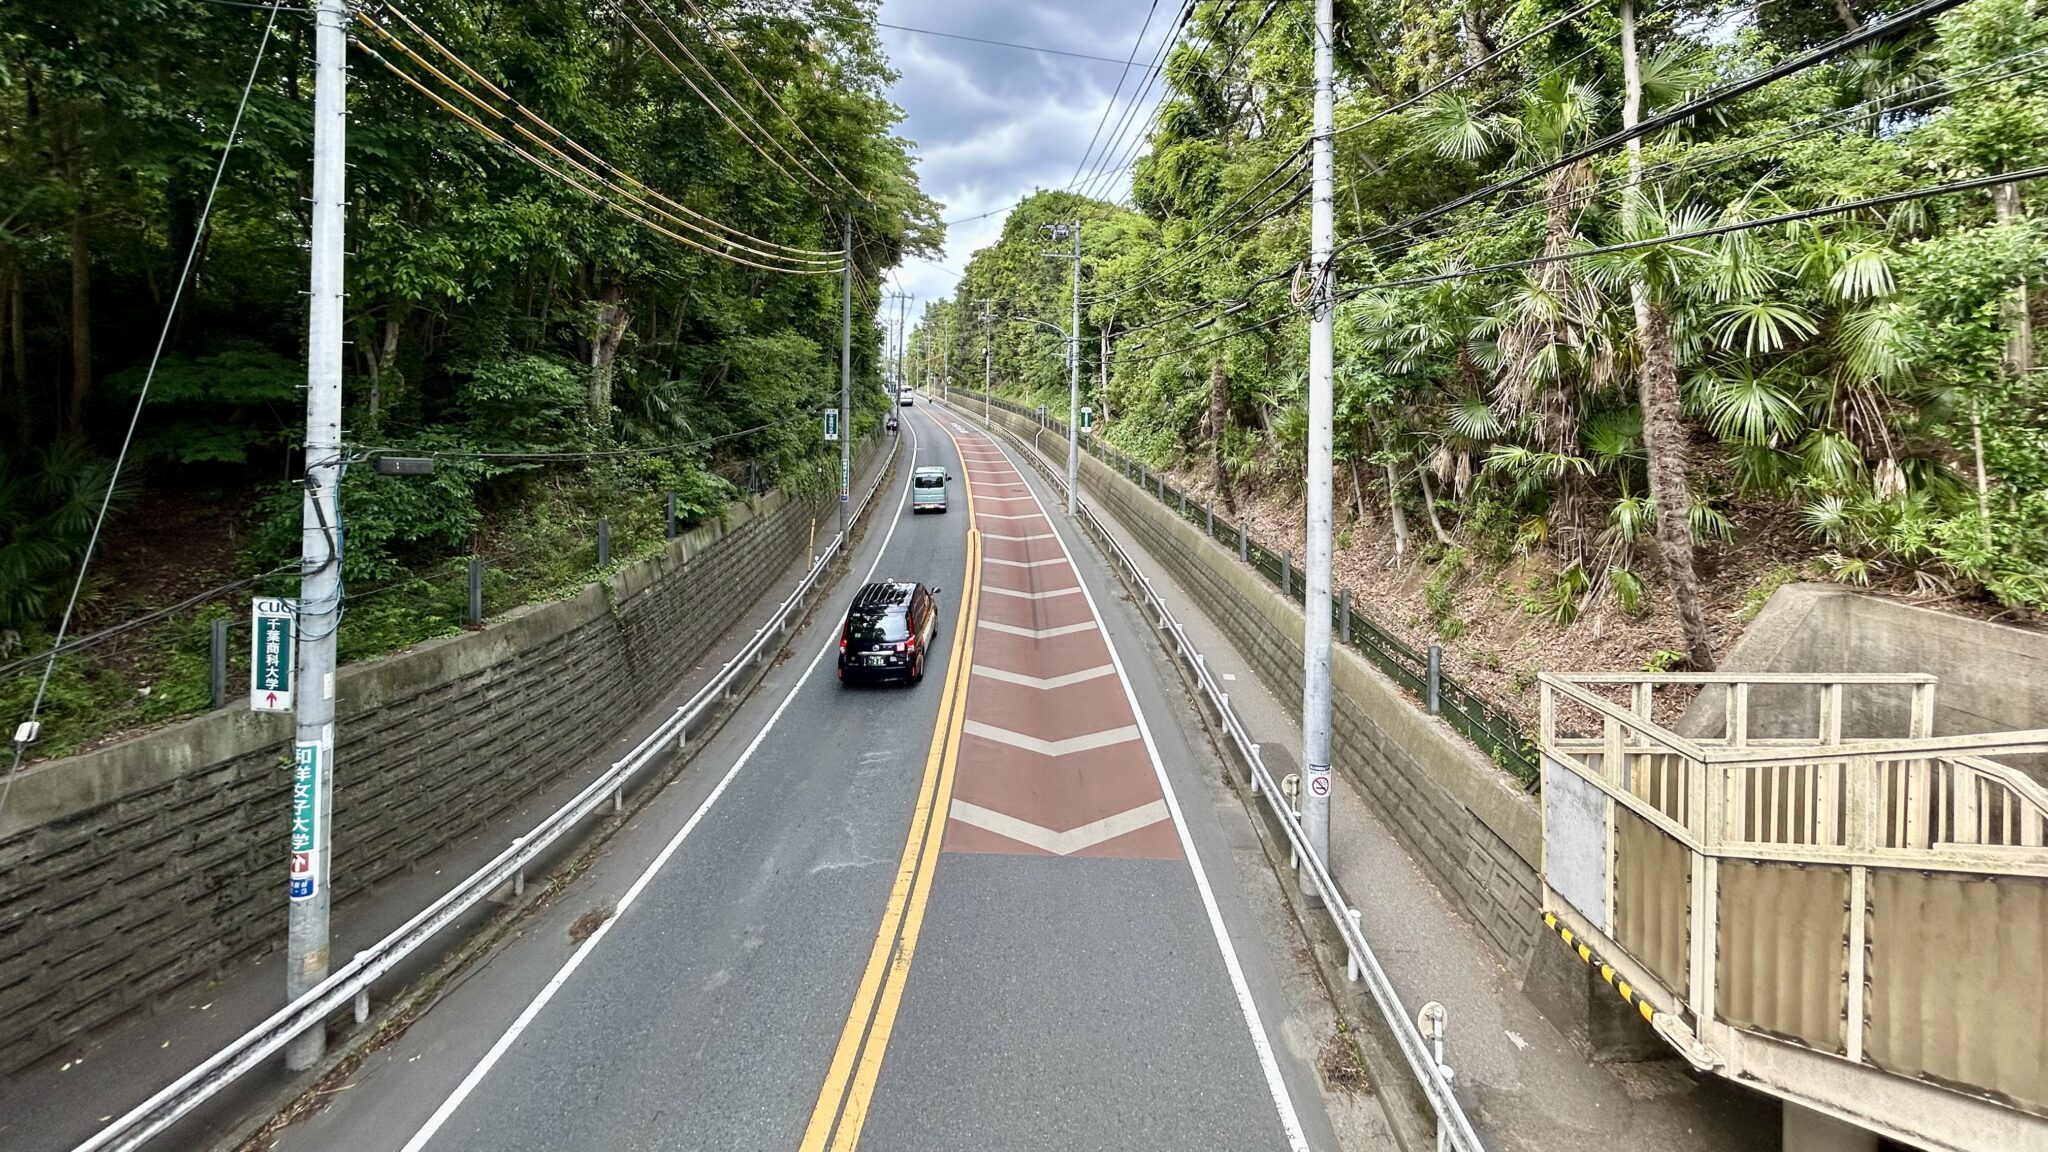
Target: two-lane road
(965, 914)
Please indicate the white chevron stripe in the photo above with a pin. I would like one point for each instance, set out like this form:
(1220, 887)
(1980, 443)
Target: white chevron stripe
(1043, 683)
(1037, 633)
(1060, 843)
(1092, 740)
(1009, 516)
(1022, 563)
(1047, 595)
(1018, 539)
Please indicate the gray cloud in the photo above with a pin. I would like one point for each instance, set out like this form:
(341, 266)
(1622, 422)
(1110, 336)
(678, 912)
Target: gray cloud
(991, 123)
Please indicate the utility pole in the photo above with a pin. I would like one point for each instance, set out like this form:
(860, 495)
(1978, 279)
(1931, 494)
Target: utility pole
(845, 377)
(946, 358)
(1073, 364)
(988, 363)
(1315, 692)
(312, 848)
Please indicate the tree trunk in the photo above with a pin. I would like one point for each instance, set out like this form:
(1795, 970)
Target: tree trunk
(1219, 419)
(1358, 489)
(2019, 350)
(1664, 444)
(612, 318)
(1429, 505)
(1848, 16)
(1657, 394)
(1400, 518)
(81, 321)
(19, 328)
(383, 354)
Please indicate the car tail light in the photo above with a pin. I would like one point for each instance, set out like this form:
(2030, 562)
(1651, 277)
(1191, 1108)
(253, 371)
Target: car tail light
(909, 645)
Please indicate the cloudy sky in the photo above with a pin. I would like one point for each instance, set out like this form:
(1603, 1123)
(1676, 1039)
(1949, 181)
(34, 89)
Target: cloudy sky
(994, 123)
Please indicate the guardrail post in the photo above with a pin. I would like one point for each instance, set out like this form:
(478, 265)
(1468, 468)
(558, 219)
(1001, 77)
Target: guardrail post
(1344, 615)
(1183, 502)
(1287, 573)
(671, 515)
(618, 800)
(1209, 516)
(217, 679)
(1253, 767)
(604, 541)
(1244, 545)
(519, 884)
(1352, 969)
(475, 616)
(362, 1006)
(1435, 684)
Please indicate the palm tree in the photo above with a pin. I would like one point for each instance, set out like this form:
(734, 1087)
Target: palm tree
(1547, 332)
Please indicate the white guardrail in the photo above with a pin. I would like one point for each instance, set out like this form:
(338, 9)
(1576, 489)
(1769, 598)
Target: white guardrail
(1424, 1056)
(351, 982)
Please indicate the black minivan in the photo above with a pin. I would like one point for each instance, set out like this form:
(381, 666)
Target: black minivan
(888, 631)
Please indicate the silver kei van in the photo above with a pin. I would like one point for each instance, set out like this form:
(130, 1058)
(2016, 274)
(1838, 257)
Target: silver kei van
(928, 489)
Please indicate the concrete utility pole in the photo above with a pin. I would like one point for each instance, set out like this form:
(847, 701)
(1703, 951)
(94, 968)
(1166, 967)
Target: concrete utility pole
(312, 849)
(946, 358)
(988, 362)
(1315, 691)
(1073, 365)
(845, 375)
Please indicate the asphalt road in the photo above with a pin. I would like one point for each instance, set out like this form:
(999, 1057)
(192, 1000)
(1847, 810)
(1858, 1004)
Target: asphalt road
(968, 913)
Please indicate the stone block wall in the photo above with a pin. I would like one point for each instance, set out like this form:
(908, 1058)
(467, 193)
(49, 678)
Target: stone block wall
(129, 871)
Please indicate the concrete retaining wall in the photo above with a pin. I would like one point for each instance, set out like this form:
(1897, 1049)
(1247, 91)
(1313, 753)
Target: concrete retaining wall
(1994, 677)
(131, 870)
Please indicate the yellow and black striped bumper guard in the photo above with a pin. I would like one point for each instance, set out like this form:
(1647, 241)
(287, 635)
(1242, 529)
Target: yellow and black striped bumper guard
(1607, 972)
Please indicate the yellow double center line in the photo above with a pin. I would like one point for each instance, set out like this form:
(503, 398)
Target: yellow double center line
(857, 1061)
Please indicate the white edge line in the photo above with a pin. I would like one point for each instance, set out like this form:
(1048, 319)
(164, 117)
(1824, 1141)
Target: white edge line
(526, 1017)
(1290, 1119)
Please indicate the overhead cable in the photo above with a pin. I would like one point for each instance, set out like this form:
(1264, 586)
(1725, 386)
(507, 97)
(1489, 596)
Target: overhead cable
(618, 180)
(1742, 86)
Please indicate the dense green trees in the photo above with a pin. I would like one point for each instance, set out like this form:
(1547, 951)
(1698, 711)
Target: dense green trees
(493, 307)
(1865, 378)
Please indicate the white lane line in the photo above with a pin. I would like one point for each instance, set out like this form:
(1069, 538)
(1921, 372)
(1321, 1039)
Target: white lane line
(1070, 745)
(1042, 683)
(1021, 563)
(1290, 1119)
(1017, 539)
(526, 1017)
(1036, 633)
(1028, 595)
(1059, 843)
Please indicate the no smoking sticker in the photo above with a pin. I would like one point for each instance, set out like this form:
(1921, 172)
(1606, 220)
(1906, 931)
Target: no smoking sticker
(1319, 784)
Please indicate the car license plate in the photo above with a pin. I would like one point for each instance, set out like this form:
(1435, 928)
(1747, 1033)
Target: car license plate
(878, 659)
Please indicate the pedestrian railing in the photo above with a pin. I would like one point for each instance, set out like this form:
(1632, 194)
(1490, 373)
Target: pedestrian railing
(1424, 1056)
(1495, 730)
(351, 984)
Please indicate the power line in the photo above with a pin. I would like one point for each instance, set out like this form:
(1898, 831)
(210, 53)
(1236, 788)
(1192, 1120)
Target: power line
(610, 173)
(1117, 134)
(542, 456)
(773, 102)
(1471, 68)
(741, 108)
(1109, 107)
(1937, 89)
(1001, 43)
(1847, 206)
(30, 728)
(1652, 124)
(584, 188)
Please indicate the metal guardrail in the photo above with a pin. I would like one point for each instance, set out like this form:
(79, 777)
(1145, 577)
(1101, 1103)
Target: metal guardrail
(1454, 1131)
(1493, 729)
(352, 981)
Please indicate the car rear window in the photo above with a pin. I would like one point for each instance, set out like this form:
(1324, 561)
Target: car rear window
(887, 627)
(929, 481)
